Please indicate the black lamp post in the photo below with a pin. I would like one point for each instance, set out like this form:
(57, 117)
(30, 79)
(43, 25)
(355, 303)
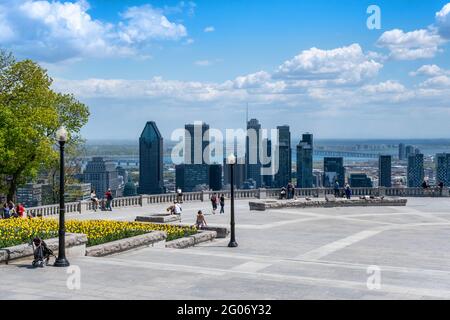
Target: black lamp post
(61, 261)
(232, 162)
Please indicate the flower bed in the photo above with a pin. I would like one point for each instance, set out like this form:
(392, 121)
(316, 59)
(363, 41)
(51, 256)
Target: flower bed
(18, 231)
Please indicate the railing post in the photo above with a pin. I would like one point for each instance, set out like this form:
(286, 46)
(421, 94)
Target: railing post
(202, 196)
(262, 193)
(321, 192)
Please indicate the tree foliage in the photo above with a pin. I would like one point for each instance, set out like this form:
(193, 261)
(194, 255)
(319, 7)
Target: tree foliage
(30, 114)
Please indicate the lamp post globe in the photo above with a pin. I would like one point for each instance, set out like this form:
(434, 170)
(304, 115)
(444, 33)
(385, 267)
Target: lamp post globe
(61, 260)
(232, 161)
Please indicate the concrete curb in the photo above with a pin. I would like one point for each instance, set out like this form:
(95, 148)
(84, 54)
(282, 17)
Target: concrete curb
(190, 241)
(75, 246)
(125, 244)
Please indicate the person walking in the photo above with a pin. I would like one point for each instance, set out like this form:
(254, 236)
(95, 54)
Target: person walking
(290, 191)
(214, 203)
(200, 222)
(348, 191)
(109, 198)
(441, 188)
(222, 203)
(336, 189)
(179, 196)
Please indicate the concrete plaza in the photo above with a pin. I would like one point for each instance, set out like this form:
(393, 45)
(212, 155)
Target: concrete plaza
(319, 253)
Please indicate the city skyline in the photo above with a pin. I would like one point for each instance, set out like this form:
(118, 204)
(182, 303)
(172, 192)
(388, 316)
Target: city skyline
(138, 59)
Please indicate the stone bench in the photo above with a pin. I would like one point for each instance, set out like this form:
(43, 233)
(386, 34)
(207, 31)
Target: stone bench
(264, 205)
(158, 218)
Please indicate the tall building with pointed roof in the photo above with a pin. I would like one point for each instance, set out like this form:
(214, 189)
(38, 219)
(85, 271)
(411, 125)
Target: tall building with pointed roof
(151, 160)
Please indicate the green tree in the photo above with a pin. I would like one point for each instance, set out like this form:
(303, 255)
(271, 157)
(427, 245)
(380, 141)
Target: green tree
(30, 114)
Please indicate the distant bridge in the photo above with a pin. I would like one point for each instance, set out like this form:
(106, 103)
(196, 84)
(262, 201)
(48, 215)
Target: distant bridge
(345, 154)
(132, 161)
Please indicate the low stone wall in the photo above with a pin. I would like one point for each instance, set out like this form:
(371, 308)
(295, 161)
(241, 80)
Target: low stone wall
(264, 205)
(126, 244)
(221, 232)
(190, 241)
(158, 218)
(75, 246)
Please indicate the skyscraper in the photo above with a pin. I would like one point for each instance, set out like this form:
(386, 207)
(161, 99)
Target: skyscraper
(194, 173)
(215, 177)
(284, 174)
(333, 170)
(151, 160)
(385, 171)
(267, 151)
(401, 151)
(102, 175)
(442, 162)
(415, 170)
(196, 141)
(252, 160)
(305, 162)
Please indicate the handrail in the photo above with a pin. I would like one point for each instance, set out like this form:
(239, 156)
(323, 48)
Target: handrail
(145, 200)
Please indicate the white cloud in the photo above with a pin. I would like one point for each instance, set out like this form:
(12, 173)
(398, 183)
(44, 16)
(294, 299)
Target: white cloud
(203, 63)
(52, 31)
(146, 23)
(306, 75)
(389, 86)
(209, 29)
(428, 70)
(339, 66)
(412, 45)
(437, 82)
(443, 21)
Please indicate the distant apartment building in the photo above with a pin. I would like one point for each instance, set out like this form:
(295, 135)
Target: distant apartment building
(409, 150)
(102, 175)
(402, 151)
(151, 160)
(415, 171)
(360, 180)
(385, 171)
(123, 174)
(192, 177)
(284, 174)
(30, 195)
(333, 170)
(305, 162)
(442, 162)
(77, 192)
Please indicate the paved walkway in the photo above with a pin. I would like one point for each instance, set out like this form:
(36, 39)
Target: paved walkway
(326, 253)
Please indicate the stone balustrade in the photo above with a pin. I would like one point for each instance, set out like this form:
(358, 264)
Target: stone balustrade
(146, 200)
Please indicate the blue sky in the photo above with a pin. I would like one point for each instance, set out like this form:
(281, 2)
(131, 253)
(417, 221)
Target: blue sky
(311, 64)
